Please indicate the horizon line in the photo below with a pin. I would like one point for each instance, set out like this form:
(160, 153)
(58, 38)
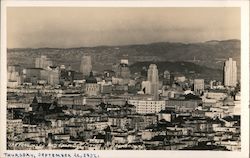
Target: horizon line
(121, 45)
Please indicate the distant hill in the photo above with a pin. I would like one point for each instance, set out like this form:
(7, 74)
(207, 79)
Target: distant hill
(210, 54)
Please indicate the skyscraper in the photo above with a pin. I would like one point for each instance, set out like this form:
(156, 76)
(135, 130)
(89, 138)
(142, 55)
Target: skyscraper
(123, 69)
(154, 80)
(14, 76)
(53, 75)
(230, 73)
(198, 86)
(42, 62)
(166, 77)
(86, 65)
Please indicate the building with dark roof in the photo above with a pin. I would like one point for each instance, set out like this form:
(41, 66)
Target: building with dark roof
(91, 86)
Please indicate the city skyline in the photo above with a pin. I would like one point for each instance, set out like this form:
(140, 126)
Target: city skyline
(157, 85)
(136, 79)
(126, 26)
(113, 110)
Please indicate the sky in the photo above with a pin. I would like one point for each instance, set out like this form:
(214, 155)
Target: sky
(65, 27)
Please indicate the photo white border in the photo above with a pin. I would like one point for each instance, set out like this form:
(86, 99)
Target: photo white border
(244, 5)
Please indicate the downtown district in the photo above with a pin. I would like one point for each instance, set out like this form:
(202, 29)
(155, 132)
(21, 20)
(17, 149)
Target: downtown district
(55, 107)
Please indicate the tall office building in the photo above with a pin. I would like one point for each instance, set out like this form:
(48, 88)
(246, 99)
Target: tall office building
(86, 65)
(53, 75)
(123, 69)
(42, 62)
(230, 73)
(166, 77)
(154, 80)
(199, 86)
(14, 76)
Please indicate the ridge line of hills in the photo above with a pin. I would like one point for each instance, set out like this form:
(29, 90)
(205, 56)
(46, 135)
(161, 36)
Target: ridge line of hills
(208, 56)
(141, 44)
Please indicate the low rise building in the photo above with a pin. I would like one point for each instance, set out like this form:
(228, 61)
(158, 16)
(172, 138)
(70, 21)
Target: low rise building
(15, 126)
(148, 106)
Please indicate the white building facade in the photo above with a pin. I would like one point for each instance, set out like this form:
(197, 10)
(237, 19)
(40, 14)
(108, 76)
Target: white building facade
(86, 65)
(230, 73)
(148, 106)
(153, 78)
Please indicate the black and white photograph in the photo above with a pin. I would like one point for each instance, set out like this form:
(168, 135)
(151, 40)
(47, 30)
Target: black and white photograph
(124, 78)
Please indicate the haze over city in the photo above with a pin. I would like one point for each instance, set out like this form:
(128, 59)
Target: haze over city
(82, 27)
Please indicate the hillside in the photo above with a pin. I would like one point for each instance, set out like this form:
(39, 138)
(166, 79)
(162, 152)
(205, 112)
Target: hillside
(211, 54)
